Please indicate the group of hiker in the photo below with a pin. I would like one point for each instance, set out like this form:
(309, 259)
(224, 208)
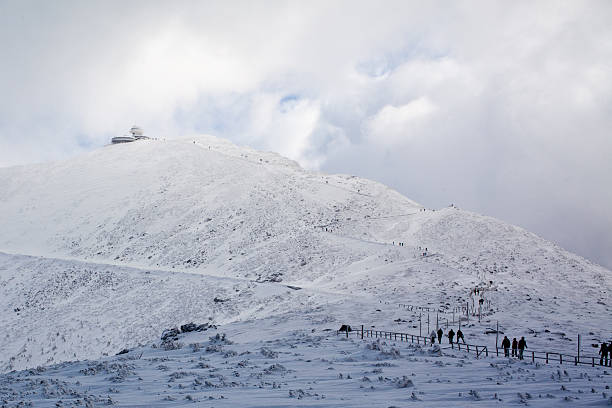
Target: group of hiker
(518, 347)
(450, 335)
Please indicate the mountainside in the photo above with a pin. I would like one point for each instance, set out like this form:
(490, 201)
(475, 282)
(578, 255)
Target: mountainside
(134, 221)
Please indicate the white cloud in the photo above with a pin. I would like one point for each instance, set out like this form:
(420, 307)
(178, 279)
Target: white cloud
(395, 124)
(505, 106)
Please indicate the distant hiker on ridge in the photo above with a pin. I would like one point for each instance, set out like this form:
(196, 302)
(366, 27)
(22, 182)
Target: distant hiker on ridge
(514, 347)
(522, 345)
(440, 333)
(506, 345)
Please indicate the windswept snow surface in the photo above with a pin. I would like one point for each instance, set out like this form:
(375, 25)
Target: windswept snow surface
(104, 251)
(270, 363)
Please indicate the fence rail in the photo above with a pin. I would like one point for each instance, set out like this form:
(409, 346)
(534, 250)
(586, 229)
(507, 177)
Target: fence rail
(413, 338)
(548, 357)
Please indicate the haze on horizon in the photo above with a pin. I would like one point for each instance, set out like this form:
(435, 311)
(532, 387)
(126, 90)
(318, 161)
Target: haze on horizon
(500, 108)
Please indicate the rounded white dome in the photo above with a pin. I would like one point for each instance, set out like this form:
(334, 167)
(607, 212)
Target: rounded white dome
(136, 131)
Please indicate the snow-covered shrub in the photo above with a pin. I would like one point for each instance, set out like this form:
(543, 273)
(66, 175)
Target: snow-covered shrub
(266, 352)
(403, 382)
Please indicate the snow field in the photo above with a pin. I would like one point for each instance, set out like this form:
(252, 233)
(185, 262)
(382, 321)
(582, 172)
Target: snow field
(234, 366)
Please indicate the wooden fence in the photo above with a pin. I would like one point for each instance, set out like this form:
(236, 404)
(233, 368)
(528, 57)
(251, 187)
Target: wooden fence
(548, 357)
(413, 338)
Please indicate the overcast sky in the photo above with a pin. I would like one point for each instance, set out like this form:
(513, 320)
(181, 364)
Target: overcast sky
(503, 108)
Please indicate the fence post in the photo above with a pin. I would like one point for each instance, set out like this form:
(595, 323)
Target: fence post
(362, 332)
(578, 349)
(593, 361)
(497, 335)
(547, 357)
(533, 356)
(347, 329)
(560, 358)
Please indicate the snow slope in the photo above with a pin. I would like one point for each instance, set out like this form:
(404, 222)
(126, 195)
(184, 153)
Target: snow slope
(289, 364)
(142, 236)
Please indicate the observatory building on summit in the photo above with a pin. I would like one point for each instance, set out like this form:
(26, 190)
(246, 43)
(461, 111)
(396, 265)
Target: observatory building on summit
(136, 133)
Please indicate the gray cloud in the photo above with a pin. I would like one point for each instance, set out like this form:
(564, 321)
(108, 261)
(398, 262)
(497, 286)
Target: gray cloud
(501, 108)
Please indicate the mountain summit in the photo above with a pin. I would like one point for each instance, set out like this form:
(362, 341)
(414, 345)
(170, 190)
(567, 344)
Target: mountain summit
(204, 208)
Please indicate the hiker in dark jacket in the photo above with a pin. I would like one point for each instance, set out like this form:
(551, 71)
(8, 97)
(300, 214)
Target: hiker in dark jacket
(451, 335)
(514, 347)
(440, 333)
(604, 354)
(433, 337)
(506, 345)
(460, 336)
(522, 345)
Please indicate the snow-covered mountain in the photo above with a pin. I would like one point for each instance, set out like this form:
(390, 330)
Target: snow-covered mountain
(107, 249)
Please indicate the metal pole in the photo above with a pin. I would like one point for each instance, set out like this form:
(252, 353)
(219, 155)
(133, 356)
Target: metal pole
(579, 348)
(437, 324)
(420, 334)
(427, 322)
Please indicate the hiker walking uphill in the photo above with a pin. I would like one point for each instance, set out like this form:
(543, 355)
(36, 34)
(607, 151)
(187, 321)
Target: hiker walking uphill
(506, 345)
(451, 334)
(522, 345)
(460, 336)
(432, 336)
(440, 333)
(514, 347)
(604, 354)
